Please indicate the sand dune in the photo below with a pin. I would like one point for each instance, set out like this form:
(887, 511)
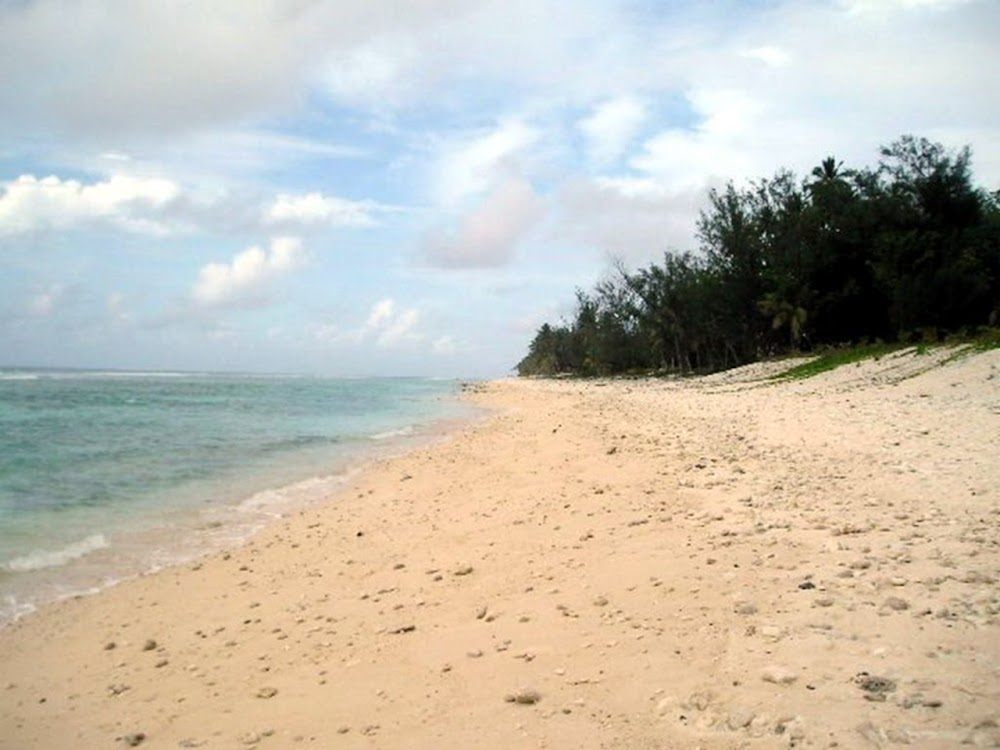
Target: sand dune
(719, 563)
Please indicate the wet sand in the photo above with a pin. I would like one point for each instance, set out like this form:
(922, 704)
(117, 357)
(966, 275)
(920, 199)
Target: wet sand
(725, 562)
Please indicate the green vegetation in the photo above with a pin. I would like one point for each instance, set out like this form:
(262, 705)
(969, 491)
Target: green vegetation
(907, 252)
(834, 358)
(989, 339)
(960, 345)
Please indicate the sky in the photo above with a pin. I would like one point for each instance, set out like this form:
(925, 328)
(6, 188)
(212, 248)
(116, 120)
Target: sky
(385, 188)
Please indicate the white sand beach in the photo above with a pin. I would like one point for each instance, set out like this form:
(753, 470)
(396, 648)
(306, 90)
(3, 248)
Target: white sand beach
(726, 562)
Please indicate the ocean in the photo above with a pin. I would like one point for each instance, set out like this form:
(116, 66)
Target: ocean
(107, 475)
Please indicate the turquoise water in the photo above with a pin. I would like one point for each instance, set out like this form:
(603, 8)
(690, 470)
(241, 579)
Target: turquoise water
(104, 475)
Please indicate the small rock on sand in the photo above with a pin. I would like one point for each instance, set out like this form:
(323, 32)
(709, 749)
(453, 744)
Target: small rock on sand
(778, 675)
(267, 692)
(524, 696)
(739, 718)
(875, 687)
(135, 739)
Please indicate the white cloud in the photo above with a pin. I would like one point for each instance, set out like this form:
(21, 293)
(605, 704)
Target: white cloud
(313, 208)
(610, 128)
(112, 68)
(130, 203)
(772, 56)
(374, 72)
(243, 280)
(479, 181)
(644, 188)
(488, 235)
(469, 166)
(387, 326)
(380, 314)
(635, 221)
(718, 147)
(132, 66)
(399, 330)
(560, 46)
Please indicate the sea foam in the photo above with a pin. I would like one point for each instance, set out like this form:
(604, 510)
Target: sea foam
(40, 559)
(390, 434)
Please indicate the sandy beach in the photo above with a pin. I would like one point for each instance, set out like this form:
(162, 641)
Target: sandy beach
(725, 562)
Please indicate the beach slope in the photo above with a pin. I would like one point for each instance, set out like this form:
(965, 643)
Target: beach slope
(724, 562)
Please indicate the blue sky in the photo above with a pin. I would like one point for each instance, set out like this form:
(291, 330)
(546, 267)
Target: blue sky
(386, 188)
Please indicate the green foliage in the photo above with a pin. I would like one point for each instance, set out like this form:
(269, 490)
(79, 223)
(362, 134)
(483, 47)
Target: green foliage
(961, 345)
(906, 252)
(985, 341)
(834, 358)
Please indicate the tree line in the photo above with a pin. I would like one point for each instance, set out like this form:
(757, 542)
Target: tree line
(906, 250)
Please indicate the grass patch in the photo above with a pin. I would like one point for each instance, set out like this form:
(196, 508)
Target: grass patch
(834, 358)
(986, 340)
(964, 344)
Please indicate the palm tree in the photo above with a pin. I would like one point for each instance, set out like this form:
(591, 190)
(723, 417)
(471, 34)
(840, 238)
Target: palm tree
(828, 170)
(784, 313)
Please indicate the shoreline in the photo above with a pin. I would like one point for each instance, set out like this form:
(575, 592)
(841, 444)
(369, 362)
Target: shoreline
(635, 564)
(222, 518)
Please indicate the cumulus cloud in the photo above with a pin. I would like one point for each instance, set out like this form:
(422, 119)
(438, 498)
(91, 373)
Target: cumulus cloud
(399, 329)
(243, 281)
(390, 326)
(316, 208)
(387, 326)
(611, 127)
(470, 165)
(683, 158)
(488, 235)
(381, 313)
(131, 203)
(479, 181)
